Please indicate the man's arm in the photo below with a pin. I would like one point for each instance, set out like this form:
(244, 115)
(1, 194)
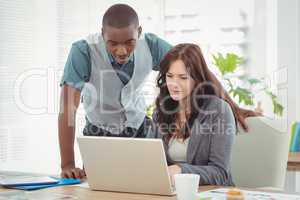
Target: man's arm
(69, 101)
(76, 73)
(158, 48)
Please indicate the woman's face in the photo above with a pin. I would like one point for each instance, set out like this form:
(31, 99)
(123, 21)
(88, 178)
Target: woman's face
(180, 84)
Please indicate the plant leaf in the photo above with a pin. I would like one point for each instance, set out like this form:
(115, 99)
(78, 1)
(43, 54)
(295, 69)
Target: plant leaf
(254, 81)
(243, 95)
(277, 107)
(251, 81)
(149, 110)
(227, 64)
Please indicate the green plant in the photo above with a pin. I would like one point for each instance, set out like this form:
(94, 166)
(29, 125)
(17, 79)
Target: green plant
(228, 66)
(150, 110)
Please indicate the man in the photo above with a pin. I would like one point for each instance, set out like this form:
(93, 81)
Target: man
(107, 71)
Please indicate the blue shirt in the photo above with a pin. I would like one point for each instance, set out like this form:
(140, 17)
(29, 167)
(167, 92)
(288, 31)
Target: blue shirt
(78, 66)
(121, 68)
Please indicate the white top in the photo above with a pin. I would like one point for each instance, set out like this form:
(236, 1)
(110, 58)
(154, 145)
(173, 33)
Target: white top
(177, 149)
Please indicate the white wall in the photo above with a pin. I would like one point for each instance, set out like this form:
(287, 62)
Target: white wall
(274, 55)
(288, 54)
(257, 40)
(31, 131)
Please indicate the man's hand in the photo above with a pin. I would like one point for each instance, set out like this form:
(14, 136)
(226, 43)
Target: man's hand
(174, 169)
(72, 172)
(69, 101)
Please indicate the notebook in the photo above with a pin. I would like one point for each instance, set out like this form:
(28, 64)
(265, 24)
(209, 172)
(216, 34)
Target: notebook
(60, 182)
(29, 181)
(8, 180)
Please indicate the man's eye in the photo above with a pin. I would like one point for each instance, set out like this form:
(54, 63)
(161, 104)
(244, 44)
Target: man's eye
(131, 42)
(112, 43)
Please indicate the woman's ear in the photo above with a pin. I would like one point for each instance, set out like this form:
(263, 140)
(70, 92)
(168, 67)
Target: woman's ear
(139, 31)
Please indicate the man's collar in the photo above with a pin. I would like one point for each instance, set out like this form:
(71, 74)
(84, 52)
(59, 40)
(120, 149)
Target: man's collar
(114, 62)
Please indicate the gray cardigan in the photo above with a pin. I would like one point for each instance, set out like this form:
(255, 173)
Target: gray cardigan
(210, 145)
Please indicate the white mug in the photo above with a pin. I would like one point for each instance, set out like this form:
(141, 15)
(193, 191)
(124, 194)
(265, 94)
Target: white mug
(186, 186)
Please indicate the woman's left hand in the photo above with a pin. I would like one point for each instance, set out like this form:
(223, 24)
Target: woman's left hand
(174, 169)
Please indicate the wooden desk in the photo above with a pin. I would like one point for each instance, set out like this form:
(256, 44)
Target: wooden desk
(80, 193)
(294, 161)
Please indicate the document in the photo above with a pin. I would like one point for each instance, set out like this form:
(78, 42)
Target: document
(220, 194)
(9, 180)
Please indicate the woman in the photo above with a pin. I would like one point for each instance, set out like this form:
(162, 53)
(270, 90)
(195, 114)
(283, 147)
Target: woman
(196, 125)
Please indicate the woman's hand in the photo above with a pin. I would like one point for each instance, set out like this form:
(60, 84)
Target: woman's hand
(174, 169)
(242, 114)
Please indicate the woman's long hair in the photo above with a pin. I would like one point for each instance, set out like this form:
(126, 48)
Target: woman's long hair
(206, 86)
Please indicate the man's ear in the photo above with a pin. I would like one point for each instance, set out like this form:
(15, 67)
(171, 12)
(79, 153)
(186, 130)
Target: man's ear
(139, 31)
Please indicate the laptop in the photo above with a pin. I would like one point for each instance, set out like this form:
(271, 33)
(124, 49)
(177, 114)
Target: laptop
(130, 165)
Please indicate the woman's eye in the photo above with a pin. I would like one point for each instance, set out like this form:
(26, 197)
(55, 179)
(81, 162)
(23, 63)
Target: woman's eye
(169, 76)
(184, 78)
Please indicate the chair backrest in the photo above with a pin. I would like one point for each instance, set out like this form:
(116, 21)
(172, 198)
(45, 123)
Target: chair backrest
(259, 157)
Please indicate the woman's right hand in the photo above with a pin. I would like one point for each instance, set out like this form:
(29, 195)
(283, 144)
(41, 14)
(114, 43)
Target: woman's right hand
(243, 114)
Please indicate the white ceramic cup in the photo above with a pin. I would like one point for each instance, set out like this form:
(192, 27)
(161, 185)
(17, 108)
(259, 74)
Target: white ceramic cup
(186, 186)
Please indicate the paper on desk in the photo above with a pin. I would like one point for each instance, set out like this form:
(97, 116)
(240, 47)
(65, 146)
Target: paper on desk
(220, 194)
(51, 196)
(84, 185)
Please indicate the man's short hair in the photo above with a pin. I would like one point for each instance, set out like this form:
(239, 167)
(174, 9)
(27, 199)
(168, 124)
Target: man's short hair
(120, 16)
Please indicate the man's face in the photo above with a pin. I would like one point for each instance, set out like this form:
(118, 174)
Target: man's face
(120, 42)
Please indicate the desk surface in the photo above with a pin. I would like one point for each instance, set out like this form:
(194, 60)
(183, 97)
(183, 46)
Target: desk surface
(81, 193)
(294, 161)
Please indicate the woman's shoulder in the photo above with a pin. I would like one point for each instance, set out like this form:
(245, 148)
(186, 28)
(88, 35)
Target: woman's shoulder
(215, 109)
(216, 115)
(215, 104)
